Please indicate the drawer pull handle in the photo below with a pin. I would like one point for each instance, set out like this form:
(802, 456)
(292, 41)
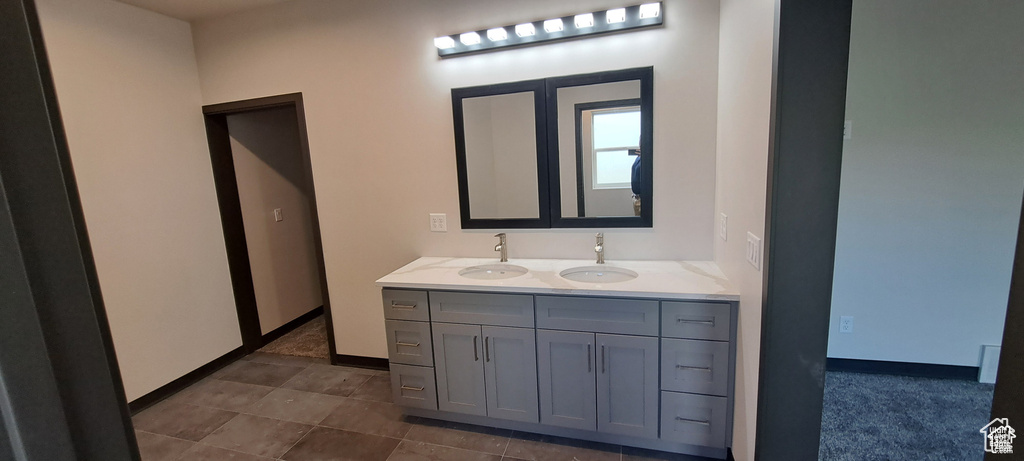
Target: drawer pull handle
(487, 349)
(602, 359)
(589, 369)
(400, 343)
(395, 305)
(476, 356)
(687, 367)
(700, 322)
(694, 421)
(410, 388)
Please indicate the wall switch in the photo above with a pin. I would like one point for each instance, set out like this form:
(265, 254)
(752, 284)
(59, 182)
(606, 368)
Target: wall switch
(754, 250)
(846, 324)
(278, 217)
(848, 130)
(723, 227)
(438, 222)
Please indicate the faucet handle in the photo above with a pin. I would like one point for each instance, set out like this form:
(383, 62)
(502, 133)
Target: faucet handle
(499, 234)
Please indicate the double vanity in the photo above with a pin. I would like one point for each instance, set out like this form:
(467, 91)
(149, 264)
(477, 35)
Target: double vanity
(638, 353)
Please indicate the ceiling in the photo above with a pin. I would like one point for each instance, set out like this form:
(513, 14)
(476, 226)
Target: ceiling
(191, 10)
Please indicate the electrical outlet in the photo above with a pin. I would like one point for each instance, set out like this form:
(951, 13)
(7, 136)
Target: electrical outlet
(848, 130)
(754, 250)
(278, 217)
(438, 222)
(846, 324)
(723, 227)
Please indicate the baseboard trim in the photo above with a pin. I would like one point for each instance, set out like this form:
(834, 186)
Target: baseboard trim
(187, 380)
(288, 327)
(357, 361)
(923, 370)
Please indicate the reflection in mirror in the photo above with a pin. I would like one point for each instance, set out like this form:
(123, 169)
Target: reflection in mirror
(501, 156)
(599, 150)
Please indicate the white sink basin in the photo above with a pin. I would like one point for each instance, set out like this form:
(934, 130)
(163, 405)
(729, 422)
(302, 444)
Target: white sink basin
(598, 274)
(493, 271)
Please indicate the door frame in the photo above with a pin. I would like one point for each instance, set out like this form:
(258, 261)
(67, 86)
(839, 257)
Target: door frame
(805, 157)
(216, 116)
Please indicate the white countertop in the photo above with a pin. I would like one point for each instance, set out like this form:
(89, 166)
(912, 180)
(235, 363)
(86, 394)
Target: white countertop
(689, 280)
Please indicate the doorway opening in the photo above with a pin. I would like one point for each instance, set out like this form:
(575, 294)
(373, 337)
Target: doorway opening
(264, 182)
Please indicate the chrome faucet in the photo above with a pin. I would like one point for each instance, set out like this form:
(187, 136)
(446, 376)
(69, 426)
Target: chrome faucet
(599, 248)
(502, 246)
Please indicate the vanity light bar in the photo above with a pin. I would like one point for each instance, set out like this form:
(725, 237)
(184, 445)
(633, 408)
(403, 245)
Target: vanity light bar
(572, 26)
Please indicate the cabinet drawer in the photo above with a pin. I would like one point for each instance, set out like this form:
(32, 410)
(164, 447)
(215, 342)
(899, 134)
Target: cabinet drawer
(413, 386)
(693, 419)
(482, 308)
(409, 342)
(695, 320)
(405, 304)
(600, 315)
(689, 365)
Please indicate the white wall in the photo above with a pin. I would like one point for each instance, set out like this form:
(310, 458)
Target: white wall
(270, 174)
(128, 90)
(932, 179)
(744, 109)
(378, 112)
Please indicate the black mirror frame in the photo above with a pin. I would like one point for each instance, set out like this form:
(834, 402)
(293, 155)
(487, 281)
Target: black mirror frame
(544, 212)
(646, 77)
(549, 205)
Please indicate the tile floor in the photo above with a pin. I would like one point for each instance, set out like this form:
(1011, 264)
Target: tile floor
(277, 407)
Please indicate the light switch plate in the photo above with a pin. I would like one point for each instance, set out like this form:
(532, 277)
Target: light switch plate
(438, 222)
(723, 227)
(278, 217)
(754, 250)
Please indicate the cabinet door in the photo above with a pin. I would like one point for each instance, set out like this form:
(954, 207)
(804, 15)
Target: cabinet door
(510, 370)
(458, 361)
(627, 385)
(566, 372)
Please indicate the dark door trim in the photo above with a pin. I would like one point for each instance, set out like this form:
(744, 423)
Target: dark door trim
(231, 212)
(61, 394)
(812, 48)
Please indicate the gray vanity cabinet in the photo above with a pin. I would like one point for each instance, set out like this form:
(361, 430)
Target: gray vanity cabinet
(643, 372)
(458, 362)
(627, 385)
(568, 387)
(486, 370)
(599, 382)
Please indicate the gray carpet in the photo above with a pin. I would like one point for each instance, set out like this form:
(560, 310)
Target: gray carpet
(308, 340)
(882, 417)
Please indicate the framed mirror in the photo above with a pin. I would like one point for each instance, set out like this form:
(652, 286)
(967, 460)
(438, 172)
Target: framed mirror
(570, 151)
(600, 136)
(501, 155)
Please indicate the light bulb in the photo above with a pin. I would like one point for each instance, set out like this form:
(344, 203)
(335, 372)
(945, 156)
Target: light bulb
(444, 43)
(553, 25)
(497, 34)
(469, 38)
(525, 30)
(650, 10)
(615, 16)
(584, 20)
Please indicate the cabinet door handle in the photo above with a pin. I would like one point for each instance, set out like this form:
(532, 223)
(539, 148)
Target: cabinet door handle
(694, 421)
(476, 355)
(589, 369)
(699, 322)
(602, 358)
(487, 348)
(395, 305)
(687, 367)
(410, 388)
(401, 343)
